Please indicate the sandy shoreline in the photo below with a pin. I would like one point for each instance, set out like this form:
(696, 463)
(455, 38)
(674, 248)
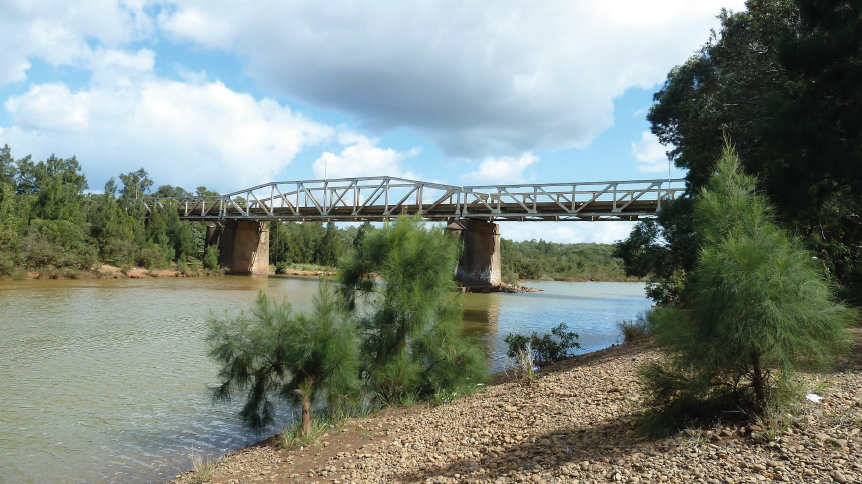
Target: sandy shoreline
(576, 424)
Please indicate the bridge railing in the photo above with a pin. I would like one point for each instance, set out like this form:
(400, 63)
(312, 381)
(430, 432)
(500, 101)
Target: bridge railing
(570, 200)
(382, 198)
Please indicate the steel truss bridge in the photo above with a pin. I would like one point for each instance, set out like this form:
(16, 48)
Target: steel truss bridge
(384, 198)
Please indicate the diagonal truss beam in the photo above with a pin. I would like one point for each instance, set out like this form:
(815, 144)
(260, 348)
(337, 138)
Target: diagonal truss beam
(381, 198)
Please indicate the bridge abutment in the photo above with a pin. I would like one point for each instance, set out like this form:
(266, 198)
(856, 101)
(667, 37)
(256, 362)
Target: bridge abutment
(480, 264)
(243, 245)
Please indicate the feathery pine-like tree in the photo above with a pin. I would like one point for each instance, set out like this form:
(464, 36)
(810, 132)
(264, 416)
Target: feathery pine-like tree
(297, 358)
(759, 309)
(411, 325)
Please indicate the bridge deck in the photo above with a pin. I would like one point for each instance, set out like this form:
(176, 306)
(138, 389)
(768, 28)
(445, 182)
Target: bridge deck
(375, 199)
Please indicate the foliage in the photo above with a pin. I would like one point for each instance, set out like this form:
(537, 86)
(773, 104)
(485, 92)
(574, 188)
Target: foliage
(411, 320)
(759, 310)
(298, 358)
(211, 257)
(549, 260)
(545, 348)
(636, 329)
(663, 251)
(310, 242)
(48, 222)
(781, 79)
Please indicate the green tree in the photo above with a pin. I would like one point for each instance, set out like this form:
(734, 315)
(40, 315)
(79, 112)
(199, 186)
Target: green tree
(411, 322)
(135, 184)
(781, 79)
(211, 257)
(169, 191)
(329, 248)
(276, 353)
(759, 309)
(663, 251)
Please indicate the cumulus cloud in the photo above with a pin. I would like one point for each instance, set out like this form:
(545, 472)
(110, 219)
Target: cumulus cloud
(476, 81)
(650, 154)
(362, 157)
(61, 31)
(189, 133)
(505, 169)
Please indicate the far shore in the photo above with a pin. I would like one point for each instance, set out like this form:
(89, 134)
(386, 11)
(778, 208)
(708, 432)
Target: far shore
(107, 271)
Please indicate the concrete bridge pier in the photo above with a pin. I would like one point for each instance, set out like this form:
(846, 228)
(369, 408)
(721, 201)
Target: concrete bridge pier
(243, 245)
(480, 265)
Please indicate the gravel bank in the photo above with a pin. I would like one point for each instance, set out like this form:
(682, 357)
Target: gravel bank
(573, 424)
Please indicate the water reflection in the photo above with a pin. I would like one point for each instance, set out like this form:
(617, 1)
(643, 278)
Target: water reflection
(106, 380)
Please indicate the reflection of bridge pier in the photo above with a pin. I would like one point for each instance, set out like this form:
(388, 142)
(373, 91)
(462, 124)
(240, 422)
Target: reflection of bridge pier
(480, 265)
(243, 245)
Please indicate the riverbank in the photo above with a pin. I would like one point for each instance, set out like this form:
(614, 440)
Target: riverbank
(106, 271)
(575, 423)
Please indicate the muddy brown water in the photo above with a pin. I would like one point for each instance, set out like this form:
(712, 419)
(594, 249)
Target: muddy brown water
(106, 380)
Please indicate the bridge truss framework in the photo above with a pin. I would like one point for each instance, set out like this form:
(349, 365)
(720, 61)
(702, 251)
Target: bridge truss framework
(384, 198)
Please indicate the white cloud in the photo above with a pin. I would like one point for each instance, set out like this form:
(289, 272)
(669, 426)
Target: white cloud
(505, 169)
(186, 134)
(650, 154)
(567, 232)
(474, 80)
(362, 157)
(58, 31)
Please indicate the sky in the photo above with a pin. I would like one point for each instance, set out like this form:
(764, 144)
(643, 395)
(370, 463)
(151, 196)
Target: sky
(229, 95)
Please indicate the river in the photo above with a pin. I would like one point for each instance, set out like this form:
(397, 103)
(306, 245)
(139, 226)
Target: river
(106, 380)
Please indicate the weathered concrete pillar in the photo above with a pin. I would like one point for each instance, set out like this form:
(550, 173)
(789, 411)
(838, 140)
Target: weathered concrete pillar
(480, 262)
(243, 245)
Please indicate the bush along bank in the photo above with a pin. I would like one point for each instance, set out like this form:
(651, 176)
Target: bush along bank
(51, 226)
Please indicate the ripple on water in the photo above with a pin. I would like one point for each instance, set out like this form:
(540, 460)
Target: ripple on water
(106, 380)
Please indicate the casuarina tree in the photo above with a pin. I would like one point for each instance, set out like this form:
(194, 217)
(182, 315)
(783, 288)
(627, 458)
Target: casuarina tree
(759, 309)
(399, 281)
(274, 353)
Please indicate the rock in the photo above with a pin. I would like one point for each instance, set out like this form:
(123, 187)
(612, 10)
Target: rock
(839, 477)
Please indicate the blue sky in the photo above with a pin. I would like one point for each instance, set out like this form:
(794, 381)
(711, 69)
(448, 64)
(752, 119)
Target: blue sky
(202, 92)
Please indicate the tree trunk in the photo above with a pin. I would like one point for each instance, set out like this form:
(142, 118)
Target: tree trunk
(757, 381)
(306, 414)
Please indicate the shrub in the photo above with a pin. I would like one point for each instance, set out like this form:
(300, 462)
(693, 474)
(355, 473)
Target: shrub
(759, 310)
(211, 257)
(151, 256)
(294, 357)
(510, 277)
(633, 330)
(545, 348)
(412, 326)
(182, 265)
(281, 268)
(118, 252)
(7, 263)
(48, 272)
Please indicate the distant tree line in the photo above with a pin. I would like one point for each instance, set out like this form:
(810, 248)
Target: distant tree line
(535, 260)
(322, 244)
(48, 222)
